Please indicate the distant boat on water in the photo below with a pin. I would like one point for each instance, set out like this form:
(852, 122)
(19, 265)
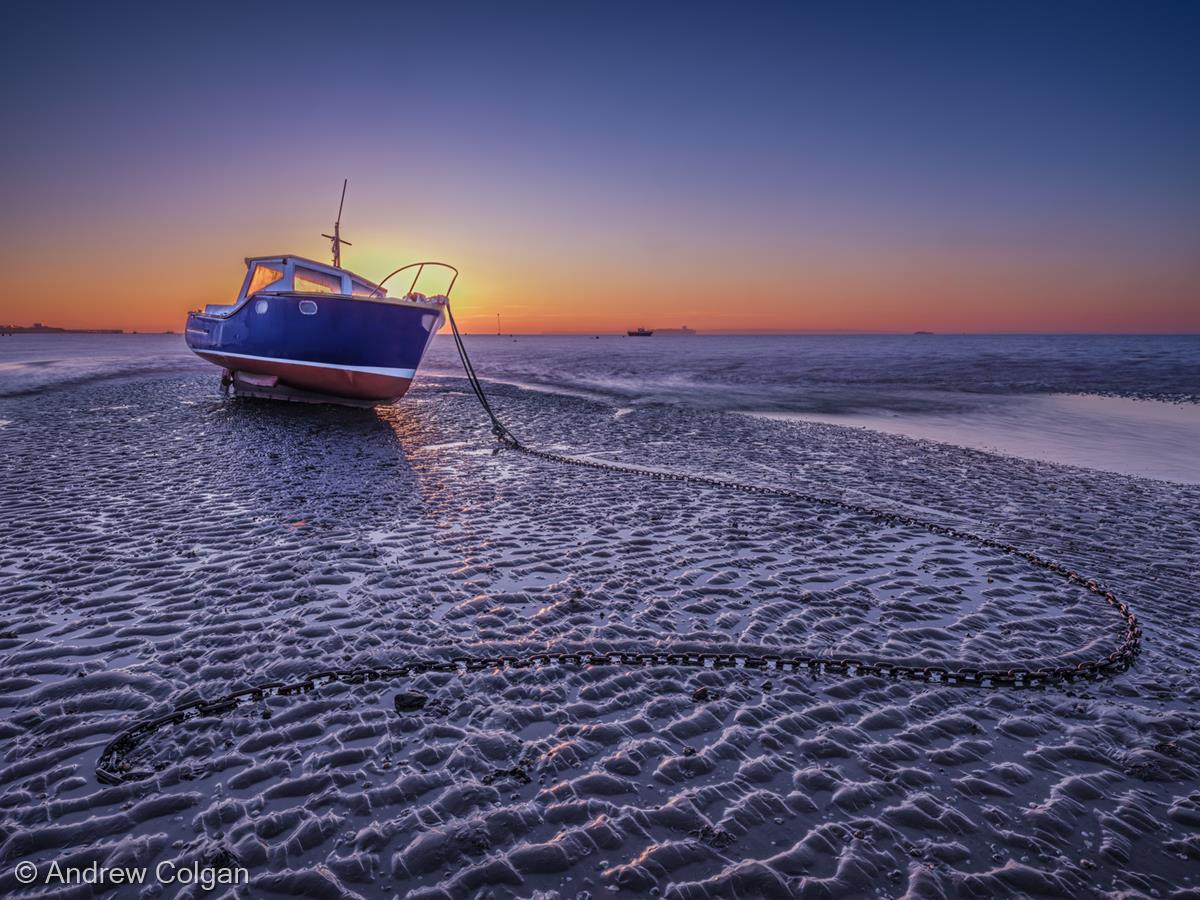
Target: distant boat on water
(683, 329)
(922, 332)
(304, 330)
(641, 332)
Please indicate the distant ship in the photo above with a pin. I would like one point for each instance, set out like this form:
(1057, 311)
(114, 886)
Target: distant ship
(922, 332)
(683, 329)
(641, 332)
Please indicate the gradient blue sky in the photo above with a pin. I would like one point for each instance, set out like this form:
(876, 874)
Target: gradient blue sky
(858, 165)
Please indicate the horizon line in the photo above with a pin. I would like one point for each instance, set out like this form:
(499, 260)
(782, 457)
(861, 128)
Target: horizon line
(669, 331)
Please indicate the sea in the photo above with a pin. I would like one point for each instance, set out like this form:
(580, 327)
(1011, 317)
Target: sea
(1128, 404)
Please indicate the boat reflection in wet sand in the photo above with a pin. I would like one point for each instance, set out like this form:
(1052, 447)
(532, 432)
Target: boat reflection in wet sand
(304, 330)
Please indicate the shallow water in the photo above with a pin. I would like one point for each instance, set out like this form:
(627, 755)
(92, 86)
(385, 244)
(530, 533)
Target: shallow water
(1118, 403)
(840, 374)
(1148, 438)
(1056, 398)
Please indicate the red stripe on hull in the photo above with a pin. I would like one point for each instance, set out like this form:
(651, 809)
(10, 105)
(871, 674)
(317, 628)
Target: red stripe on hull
(319, 380)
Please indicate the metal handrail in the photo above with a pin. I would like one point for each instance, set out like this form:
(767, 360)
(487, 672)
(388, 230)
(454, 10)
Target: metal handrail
(420, 267)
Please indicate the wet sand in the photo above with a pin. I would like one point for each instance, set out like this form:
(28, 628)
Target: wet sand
(159, 545)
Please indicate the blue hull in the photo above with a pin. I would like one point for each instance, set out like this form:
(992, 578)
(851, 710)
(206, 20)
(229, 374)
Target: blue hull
(329, 344)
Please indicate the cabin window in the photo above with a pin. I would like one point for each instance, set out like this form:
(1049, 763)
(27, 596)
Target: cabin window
(263, 277)
(310, 281)
(358, 289)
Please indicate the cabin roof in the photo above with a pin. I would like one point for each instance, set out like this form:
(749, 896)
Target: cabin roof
(310, 263)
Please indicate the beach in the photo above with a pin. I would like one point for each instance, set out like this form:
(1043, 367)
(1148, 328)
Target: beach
(161, 543)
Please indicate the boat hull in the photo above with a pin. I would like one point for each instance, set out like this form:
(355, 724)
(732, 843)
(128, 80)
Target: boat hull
(329, 345)
(335, 381)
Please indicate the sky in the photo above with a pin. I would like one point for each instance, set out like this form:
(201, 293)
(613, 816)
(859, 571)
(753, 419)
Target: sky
(597, 167)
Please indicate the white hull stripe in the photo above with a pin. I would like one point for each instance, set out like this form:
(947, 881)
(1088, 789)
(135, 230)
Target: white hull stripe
(367, 370)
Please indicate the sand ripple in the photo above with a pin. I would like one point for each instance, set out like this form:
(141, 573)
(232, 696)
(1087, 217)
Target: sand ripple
(161, 546)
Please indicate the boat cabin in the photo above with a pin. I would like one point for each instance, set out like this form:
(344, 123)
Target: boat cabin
(297, 275)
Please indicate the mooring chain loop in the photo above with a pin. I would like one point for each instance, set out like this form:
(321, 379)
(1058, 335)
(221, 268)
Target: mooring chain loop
(114, 767)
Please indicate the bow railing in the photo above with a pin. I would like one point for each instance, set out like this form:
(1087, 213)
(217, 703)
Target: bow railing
(420, 267)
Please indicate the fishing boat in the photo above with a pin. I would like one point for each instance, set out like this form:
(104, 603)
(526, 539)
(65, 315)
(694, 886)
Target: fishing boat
(641, 332)
(304, 330)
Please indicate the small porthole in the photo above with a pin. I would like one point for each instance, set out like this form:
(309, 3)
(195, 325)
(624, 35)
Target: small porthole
(260, 307)
(308, 307)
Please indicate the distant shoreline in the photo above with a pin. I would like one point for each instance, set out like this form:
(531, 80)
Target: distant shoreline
(26, 329)
(44, 329)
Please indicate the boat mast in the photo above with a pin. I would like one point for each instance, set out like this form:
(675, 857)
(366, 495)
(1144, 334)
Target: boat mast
(336, 237)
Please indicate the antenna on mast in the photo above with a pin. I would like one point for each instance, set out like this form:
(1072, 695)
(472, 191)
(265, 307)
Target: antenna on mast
(336, 237)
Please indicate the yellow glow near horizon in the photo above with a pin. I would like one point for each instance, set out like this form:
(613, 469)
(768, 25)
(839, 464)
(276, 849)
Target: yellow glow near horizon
(143, 267)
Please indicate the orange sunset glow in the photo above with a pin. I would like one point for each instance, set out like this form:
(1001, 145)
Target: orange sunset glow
(793, 191)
